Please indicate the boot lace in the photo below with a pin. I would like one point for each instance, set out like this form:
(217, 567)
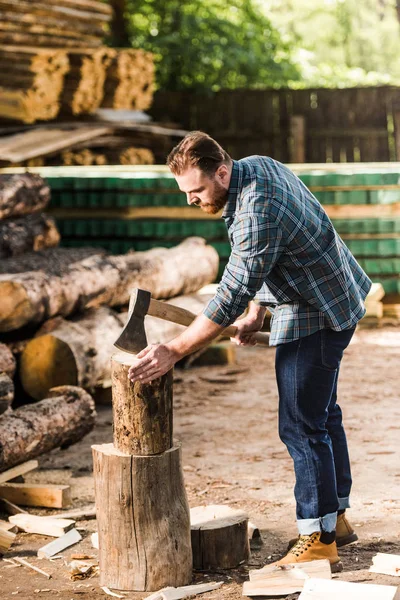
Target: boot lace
(303, 543)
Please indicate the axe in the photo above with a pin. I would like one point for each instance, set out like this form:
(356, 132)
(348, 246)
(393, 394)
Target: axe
(133, 337)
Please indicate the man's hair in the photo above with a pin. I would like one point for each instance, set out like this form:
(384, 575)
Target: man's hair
(197, 149)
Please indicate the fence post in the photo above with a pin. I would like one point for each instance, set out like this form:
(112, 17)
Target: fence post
(297, 139)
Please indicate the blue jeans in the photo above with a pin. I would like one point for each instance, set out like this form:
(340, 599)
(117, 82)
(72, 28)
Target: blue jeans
(310, 424)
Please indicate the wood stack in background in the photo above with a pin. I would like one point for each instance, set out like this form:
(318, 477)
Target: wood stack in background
(84, 83)
(130, 81)
(65, 23)
(31, 82)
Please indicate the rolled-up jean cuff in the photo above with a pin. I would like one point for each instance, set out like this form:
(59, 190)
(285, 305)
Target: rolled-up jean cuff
(326, 523)
(344, 503)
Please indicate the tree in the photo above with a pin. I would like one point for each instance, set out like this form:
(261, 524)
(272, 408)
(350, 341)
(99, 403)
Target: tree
(209, 44)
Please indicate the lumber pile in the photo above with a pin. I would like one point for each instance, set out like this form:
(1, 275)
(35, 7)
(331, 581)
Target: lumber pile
(33, 80)
(130, 80)
(66, 23)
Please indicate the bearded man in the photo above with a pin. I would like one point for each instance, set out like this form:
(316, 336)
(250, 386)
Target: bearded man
(287, 257)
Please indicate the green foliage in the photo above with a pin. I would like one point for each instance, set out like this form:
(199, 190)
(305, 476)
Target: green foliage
(339, 43)
(210, 44)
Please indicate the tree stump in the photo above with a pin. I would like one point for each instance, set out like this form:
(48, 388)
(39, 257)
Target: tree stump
(142, 412)
(143, 520)
(219, 537)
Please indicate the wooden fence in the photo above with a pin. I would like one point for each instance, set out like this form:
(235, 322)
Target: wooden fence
(314, 125)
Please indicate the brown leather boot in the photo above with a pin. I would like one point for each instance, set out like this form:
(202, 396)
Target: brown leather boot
(345, 534)
(309, 547)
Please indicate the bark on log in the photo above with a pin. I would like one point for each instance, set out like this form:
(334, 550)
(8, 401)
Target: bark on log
(219, 537)
(6, 392)
(142, 412)
(32, 297)
(27, 234)
(64, 418)
(75, 352)
(7, 361)
(143, 520)
(22, 194)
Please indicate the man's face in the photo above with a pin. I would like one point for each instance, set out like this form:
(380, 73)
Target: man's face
(208, 193)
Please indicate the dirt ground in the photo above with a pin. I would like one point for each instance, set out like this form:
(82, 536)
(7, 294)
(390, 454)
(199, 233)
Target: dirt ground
(226, 418)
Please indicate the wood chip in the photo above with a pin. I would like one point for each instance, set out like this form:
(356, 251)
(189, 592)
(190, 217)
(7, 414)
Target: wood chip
(25, 563)
(315, 589)
(110, 593)
(172, 593)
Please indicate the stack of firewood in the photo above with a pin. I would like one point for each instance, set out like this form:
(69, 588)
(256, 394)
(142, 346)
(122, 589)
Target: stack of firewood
(63, 24)
(31, 82)
(52, 55)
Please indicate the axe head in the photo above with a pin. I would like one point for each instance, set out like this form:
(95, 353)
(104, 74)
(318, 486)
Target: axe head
(133, 337)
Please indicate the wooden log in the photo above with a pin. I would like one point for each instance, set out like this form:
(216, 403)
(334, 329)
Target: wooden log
(6, 392)
(144, 543)
(219, 537)
(59, 421)
(142, 412)
(75, 352)
(22, 194)
(35, 296)
(27, 234)
(35, 494)
(42, 525)
(22, 469)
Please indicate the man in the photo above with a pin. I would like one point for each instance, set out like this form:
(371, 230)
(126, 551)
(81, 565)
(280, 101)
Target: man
(285, 256)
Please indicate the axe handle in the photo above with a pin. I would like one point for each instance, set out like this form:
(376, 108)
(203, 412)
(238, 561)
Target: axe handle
(181, 316)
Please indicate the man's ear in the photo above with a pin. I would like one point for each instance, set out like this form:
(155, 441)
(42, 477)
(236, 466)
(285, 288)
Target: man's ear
(222, 172)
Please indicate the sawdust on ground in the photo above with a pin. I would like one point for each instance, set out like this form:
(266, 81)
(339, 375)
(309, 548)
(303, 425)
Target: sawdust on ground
(226, 418)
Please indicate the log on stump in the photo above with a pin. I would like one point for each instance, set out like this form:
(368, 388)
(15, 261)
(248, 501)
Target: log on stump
(64, 418)
(27, 234)
(143, 520)
(219, 537)
(22, 194)
(60, 289)
(6, 392)
(75, 352)
(142, 412)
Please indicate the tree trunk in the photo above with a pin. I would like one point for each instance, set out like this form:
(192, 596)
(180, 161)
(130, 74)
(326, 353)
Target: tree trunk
(32, 232)
(22, 194)
(76, 352)
(119, 25)
(7, 361)
(64, 418)
(6, 392)
(60, 289)
(142, 412)
(143, 520)
(219, 537)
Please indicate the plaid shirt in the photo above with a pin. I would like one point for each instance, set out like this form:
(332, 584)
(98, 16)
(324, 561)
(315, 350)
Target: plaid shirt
(286, 255)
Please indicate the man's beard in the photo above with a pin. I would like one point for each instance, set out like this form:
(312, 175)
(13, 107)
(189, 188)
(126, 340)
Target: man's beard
(219, 199)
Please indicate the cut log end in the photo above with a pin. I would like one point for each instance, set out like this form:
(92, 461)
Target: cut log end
(15, 307)
(47, 362)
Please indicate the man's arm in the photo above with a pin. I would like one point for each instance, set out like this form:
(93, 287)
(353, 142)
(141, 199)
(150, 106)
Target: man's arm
(156, 360)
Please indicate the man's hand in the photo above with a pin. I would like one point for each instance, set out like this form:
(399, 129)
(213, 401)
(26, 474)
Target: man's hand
(153, 362)
(249, 325)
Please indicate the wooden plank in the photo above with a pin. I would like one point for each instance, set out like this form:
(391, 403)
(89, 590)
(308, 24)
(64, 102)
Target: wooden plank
(387, 564)
(40, 142)
(6, 539)
(315, 589)
(6, 526)
(10, 508)
(298, 139)
(273, 580)
(78, 514)
(65, 541)
(26, 467)
(34, 494)
(42, 525)
(25, 563)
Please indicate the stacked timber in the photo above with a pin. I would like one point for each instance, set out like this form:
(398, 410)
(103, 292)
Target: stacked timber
(130, 80)
(65, 23)
(130, 155)
(32, 82)
(84, 84)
